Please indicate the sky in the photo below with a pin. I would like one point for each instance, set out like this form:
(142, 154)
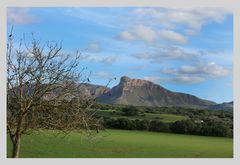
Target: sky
(186, 50)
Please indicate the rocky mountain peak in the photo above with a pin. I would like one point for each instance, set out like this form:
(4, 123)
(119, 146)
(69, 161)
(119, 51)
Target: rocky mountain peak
(128, 82)
(146, 93)
(124, 79)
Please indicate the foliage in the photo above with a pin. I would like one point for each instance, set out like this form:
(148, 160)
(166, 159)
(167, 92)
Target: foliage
(130, 111)
(199, 122)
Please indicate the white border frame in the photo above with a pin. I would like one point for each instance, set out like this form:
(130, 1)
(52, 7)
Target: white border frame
(233, 5)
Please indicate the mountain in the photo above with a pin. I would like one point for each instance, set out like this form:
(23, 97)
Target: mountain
(135, 92)
(145, 93)
(81, 90)
(86, 89)
(223, 106)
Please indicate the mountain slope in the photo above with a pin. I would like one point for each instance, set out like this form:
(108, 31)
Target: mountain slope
(82, 90)
(145, 93)
(223, 106)
(86, 89)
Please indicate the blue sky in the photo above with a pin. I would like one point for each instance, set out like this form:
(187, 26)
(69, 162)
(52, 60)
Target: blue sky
(185, 50)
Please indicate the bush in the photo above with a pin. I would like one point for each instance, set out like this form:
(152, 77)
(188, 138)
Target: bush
(130, 111)
(184, 127)
(159, 126)
(216, 129)
(142, 124)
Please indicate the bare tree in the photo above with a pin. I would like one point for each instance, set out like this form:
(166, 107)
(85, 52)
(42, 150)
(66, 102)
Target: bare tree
(43, 91)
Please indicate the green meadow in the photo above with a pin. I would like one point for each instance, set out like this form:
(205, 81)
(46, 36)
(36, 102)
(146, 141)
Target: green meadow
(123, 144)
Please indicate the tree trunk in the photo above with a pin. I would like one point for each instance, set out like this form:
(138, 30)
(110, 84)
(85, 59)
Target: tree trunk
(17, 138)
(16, 147)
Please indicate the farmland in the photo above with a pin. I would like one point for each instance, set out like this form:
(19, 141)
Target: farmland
(123, 144)
(139, 132)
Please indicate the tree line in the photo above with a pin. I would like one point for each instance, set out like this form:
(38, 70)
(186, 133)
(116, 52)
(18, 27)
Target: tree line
(207, 128)
(201, 121)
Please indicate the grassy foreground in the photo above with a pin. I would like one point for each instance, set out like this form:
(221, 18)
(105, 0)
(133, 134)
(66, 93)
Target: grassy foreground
(124, 144)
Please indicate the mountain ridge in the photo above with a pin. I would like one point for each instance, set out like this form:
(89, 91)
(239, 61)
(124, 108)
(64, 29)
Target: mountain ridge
(136, 92)
(140, 92)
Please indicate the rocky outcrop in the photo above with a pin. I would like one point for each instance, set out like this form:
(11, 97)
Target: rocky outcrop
(145, 93)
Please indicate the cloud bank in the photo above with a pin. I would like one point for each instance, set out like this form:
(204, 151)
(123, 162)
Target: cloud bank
(19, 16)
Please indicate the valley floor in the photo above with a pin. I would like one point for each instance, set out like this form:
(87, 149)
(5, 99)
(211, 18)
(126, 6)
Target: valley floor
(123, 144)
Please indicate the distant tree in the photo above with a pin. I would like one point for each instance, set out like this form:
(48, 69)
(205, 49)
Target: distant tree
(41, 82)
(183, 126)
(123, 123)
(142, 124)
(130, 111)
(216, 129)
(159, 126)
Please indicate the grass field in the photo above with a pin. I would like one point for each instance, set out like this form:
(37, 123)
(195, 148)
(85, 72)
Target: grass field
(125, 144)
(166, 118)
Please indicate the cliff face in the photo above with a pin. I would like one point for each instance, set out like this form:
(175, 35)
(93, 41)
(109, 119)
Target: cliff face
(92, 90)
(128, 85)
(145, 93)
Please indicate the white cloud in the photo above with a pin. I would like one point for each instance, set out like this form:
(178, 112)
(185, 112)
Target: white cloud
(152, 78)
(138, 33)
(126, 36)
(174, 25)
(85, 57)
(190, 74)
(99, 58)
(205, 70)
(215, 70)
(145, 33)
(187, 69)
(162, 53)
(194, 19)
(109, 60)
(19, 16)
(177, 79)
(173, 36)
(185, 79)
(103, 75)
(93, 47)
